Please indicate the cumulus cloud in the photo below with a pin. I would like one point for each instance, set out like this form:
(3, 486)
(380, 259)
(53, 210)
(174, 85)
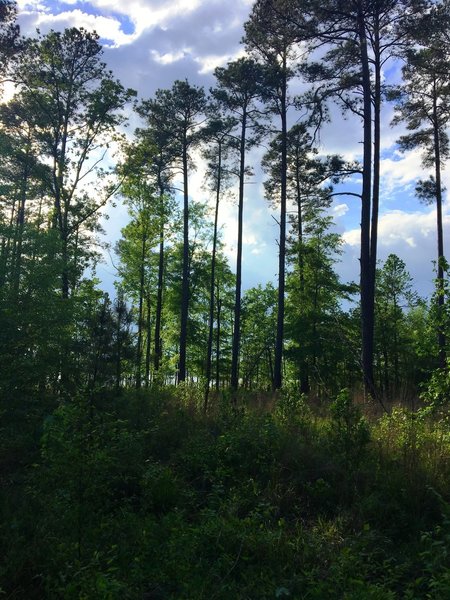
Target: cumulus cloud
(400, 171)
(412, 236)
(108, 28)
(210, 62)
(30, 5)
(169, 57)
(339, 210)
(143, 14)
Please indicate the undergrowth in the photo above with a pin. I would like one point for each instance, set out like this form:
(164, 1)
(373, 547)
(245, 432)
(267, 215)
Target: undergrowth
(142, 496)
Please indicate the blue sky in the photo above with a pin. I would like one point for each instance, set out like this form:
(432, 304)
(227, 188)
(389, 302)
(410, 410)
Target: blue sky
(150, 43)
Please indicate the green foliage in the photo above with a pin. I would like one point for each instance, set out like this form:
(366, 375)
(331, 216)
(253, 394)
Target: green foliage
(437, 394)
(189, 395)
(291, 406)
(313, 319)
(393, 301)
(349, 430)
(435, 554)
(140, 493)
(258, 320)
(112, 493)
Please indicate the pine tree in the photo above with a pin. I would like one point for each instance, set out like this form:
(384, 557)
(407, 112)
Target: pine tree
(423, 103)
(238, 89)
(274, 39)
(179, 113)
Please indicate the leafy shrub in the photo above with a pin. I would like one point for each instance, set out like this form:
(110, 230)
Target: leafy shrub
(138, 496)
(291, 406)
(160, 488)
(349, 430)
(435, 554)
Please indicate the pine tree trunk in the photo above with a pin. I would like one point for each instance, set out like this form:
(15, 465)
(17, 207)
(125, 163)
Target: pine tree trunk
(185, 280)
(219, 315)
(212, 284)
(148, 343)
(140, 311)
(440, 234)
(159, 296)
(367, 319)
(375, 191)
(237, 303)
(277, 376)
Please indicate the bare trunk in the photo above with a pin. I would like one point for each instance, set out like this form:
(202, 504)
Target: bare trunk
(159, 296)
(278, 376)
(185, 281)
(17, 254)
(237, 304)
(148, 344)
(375, 191)
(367, 320)
(440, 234)
(158, 316)
(212, 284)
(219, 315)
(303, 367)
(140, 311)
(301, 261)
(119, 346)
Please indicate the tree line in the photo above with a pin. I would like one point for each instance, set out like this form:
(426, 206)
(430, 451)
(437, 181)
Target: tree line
(180, 313)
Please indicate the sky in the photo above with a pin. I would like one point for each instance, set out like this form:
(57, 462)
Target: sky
(148, 44)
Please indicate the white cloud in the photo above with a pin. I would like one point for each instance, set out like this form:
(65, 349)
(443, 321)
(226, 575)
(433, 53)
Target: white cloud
(169, 57)
(340, 210)
(210, 62)
(398, 226)
(146, 14)
(7, 91)
(249, 238)
(29, 5)
(412, 236)
(108, 28)
(399, 171)
(352, 237)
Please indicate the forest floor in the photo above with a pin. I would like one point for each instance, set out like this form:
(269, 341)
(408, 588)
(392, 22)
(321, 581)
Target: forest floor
(141, 496)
